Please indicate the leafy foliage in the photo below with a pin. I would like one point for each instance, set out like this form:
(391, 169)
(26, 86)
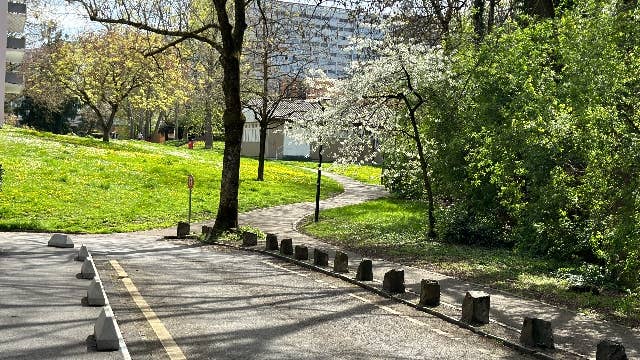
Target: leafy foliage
(530, 134)
(102, 71)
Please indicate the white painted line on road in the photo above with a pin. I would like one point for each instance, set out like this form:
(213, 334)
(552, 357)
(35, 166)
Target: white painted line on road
(158, 327)
(381, 307)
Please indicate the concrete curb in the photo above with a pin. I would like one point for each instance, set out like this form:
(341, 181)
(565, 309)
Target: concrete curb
(511, 344)
(106, 330)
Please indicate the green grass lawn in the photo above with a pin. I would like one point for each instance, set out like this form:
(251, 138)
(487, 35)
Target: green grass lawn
(395, 230)
(75, 184)
(367, 174)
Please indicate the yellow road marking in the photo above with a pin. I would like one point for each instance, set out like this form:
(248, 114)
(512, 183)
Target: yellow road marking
(158, 327)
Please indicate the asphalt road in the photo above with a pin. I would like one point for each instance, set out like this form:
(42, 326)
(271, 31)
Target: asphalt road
(217, 303)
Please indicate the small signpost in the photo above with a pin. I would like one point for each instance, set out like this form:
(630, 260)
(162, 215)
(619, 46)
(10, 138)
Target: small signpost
(190, 183)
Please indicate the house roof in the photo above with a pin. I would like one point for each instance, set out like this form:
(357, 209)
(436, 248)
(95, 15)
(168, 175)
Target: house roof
(286, 108)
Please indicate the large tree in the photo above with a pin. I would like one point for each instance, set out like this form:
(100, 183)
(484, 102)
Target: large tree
(219, 23)
(102, 70)
(278, 60)
(389, 101)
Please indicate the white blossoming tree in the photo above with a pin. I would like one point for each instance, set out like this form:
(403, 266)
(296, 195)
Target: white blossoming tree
(389, 104)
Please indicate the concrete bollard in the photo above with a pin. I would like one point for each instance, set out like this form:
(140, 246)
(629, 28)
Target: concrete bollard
(393, 281)
(320, 258)
(475, 307)
(286, 247)
(341, 262)
(95, 294)
(429, 292)
(301, 252)
(537, 332)
(183, 229)
(271, 242)
(365, 270)
(83, 253)
(106, 331)
(60, 241)
(249, 238)
(87, 271)
(610, 350)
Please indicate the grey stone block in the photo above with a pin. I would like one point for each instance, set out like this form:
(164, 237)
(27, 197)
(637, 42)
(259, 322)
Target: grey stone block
(537, 332)
(429, 292)
(83, 253)
(393, 281)
(286, 247)
(365, 270)
(95, 294)
(320, 258)
(341, 262)
(249, 238)
(106, 331)
(88, 271)
(301, 252)
(271, 242)
(183, 229)
(60, 241)
(610, 350)
(475, 307)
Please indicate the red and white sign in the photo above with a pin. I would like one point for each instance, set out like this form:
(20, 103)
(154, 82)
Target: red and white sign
(190, 181)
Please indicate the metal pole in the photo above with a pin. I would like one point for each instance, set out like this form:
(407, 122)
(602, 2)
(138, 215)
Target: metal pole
(317, 212)
(190, 190)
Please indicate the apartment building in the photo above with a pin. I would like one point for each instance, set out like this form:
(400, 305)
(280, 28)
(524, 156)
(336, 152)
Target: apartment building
(13, 14)
(309, 36)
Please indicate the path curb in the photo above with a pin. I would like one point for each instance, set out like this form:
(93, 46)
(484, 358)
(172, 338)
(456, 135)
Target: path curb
(511, 344)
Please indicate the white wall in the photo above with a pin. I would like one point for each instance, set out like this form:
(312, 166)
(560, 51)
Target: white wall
(4, 12)
(294, 148)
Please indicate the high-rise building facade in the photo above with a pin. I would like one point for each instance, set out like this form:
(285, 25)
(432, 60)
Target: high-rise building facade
(13, 15)
(309, 36)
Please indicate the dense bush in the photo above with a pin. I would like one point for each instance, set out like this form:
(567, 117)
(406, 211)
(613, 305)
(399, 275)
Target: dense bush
(541, 149)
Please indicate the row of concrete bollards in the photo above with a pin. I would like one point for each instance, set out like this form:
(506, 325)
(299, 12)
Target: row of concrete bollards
(106, 332)
(475, 306)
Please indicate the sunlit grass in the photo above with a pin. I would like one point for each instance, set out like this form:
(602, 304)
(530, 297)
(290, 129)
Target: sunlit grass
(75, 184)
(367, 174)
(396, 229)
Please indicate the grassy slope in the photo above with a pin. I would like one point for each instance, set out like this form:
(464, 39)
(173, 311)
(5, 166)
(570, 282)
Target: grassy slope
(394, 229)
(364, 173)
(73, 184)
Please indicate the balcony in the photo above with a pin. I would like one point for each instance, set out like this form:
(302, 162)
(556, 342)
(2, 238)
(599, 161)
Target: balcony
(15, 49)
(17, 7)
(13, 82)
(16, 17)
(15, 43)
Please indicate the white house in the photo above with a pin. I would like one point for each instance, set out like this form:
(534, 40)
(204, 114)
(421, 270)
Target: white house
(280, 142)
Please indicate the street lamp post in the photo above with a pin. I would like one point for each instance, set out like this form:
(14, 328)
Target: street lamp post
(317, 212)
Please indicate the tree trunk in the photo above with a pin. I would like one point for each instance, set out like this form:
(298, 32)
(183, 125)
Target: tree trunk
(208, 126)
(263, 147)
(478, 19)
(233, 119)
(492, 15)
(105, 133)
(426, 178)
(540, 8)
(132, 125)
(161, 118)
